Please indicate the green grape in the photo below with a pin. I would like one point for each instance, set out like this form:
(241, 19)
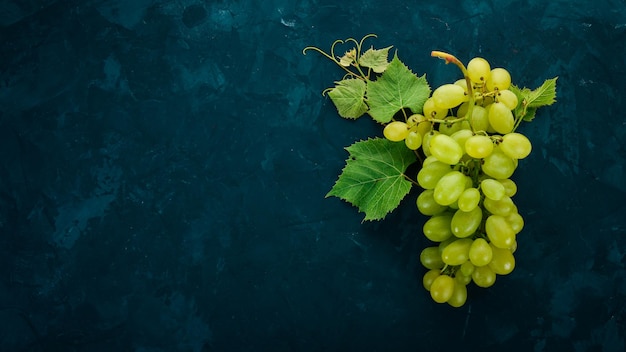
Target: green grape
(444, 244)
(501, 118)
(459, 295)
(515, 145)
(508, 98)
(462, 278)
(448, 96)
(492, 189)
(490, 128)
(468, 182)
(449, 188)
(423, 128)
(480, 253)
(415, 119)
(486, 100)
(446, 149)
(429, 277)
(413, 140)
(432, 111)
(462, 82)
(430, 159)
(503, 206)
(448, 128)
(426, 204)
(484, 276)
(461, 137)
(513, 247)
(442, 288)
(478, 70)
(431, 258)
(467, 268)
(499, 231)
(457, 252)
(510, 188)
(396, 131)
(468, 200)
(499, 79)
(426, 141)
(437, 228)
(461, 111)
(430, 174)
(498, 165)
(479, 119)
(479, 146)
(516, 221)
(503, 261)
(464, 223)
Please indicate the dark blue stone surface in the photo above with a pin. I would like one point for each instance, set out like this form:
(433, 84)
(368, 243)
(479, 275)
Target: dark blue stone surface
(164, 166)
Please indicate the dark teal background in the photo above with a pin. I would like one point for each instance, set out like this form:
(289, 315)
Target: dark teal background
(164, 166)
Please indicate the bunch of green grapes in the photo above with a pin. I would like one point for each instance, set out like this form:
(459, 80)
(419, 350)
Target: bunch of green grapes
(471, 151)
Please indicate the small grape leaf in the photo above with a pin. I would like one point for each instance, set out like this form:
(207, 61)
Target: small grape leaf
(348, 58)
(395, 89)
(544, 95)
(376, 59)
(373, 178)
(530, 100)
(529, 114)
(348, 95)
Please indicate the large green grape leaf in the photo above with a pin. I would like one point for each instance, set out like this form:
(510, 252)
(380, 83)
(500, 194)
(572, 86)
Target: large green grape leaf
(373, 179)
(397, 88)
(348, 95)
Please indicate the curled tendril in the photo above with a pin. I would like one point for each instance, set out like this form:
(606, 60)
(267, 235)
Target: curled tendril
(334, 58)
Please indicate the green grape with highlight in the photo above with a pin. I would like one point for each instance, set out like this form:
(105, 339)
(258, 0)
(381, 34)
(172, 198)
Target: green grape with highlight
(449, 96)
(515, 145)
(457, 252)
(437, 228)
(480, 253)
(499, 79)
(501, 118)
(465, 223)
(484, 276)
(449, 188)
(442, 288)
(445, 149)
(396, 131)
(469, 199)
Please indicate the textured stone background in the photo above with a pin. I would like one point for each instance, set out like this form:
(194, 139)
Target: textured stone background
(164, 166)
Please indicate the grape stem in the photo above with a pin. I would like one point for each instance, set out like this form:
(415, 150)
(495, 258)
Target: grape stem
(520, 116)
(410, 180)
(448, 58)
(451, 121)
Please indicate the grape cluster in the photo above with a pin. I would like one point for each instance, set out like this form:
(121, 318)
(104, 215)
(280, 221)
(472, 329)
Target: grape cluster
(471, 152)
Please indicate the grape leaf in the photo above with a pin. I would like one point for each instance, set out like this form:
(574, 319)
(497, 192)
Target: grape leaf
(530, 100)
(376, 59)
(348, 95)
(529, 114)
(348, 58)
(373, 178)
(544, 95)
(395, 89)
